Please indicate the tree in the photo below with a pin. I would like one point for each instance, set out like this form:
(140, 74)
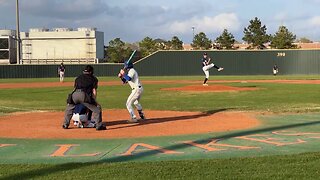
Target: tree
(283, 39)
(225, 40)
(175, 44)
(117, 51)
(304, 40)
(201, 41)
(147, 46)
(256, 34)
(160, 44)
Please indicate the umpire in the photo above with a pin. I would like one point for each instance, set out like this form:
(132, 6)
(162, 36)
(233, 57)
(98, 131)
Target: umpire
(85, 92)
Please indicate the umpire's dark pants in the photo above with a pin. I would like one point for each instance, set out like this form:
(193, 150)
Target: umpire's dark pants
(78, 97)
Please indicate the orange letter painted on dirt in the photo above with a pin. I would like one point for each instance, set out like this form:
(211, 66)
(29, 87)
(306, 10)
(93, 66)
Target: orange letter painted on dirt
(64, 148)
(208, 147)
(268, 140)
(6, 145)
(134, 147)
(292, 133)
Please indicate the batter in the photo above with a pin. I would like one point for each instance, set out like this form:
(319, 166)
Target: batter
(129, 75)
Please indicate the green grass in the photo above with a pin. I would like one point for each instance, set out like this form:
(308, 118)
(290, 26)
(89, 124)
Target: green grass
(303, 166)
(256, 77)
(272, 97)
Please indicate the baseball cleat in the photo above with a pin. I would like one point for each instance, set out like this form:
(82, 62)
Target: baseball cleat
(142, 116)
(220, 69)
(205, 84)
(64, 126)
(133, 120)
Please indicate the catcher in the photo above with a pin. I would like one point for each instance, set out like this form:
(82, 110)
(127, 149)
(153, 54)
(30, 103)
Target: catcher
(129, 75)
(82, 117)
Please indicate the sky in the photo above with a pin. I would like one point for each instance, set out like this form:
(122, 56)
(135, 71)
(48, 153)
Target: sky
(133, 20)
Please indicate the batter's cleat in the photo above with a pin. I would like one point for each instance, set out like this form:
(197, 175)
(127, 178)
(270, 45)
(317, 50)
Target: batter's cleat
(220, 69)
(142, 116)
(132, 120)
(205, 85)
(64, 126)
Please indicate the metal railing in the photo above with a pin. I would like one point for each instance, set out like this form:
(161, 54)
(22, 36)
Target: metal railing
(59, 61)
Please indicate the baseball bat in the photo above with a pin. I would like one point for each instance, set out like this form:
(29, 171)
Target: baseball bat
(131, 56)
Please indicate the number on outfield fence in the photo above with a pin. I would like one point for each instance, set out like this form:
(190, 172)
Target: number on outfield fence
(281, 54)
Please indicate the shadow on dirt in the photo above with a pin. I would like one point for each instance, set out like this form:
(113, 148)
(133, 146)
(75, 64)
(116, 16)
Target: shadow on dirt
(162, 120)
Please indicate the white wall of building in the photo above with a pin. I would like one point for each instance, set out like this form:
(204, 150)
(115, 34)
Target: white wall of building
(62, 44)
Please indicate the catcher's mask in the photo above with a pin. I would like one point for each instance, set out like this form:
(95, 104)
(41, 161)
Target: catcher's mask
(80, 115)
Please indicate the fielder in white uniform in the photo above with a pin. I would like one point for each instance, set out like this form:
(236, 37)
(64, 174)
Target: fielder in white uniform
(206, 66)
(129, 75)
(61, 71)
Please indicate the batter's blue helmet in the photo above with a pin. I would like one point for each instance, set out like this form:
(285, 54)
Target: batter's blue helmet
(128, 65)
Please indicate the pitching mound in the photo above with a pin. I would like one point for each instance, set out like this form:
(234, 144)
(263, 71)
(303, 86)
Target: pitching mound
(47, 125)
(213, 88)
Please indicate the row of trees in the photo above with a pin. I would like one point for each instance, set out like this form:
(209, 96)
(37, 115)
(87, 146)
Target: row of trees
(119, 51)
(255, 35)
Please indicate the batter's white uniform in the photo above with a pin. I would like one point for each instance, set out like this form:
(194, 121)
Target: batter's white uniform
(136, 92)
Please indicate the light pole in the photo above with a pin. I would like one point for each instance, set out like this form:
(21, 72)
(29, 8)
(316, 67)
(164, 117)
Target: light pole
(18, 32)
(193, 32)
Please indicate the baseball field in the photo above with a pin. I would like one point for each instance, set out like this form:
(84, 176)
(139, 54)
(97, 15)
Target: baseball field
(238, 127)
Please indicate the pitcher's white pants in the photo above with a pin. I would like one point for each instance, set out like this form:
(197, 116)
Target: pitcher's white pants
(134, 99)
(206, 69)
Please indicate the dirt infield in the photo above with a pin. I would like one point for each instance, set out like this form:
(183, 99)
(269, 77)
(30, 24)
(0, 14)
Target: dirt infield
(113, 83)
(47, 125)
(213, 88)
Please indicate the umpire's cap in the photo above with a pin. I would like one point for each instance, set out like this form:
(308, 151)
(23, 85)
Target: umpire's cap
(88, 69)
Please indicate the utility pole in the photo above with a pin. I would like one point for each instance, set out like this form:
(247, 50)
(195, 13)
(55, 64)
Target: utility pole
(193, 32)
(18, 33)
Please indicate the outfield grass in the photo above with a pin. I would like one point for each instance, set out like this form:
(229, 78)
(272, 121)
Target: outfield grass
(303, 166)
(256, 77)
(271, 97)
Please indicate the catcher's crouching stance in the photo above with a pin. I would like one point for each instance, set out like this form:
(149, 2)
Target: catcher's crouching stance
(82, 117)
(130, 76)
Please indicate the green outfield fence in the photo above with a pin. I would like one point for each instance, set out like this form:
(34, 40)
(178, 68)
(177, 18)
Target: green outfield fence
(187, 63)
